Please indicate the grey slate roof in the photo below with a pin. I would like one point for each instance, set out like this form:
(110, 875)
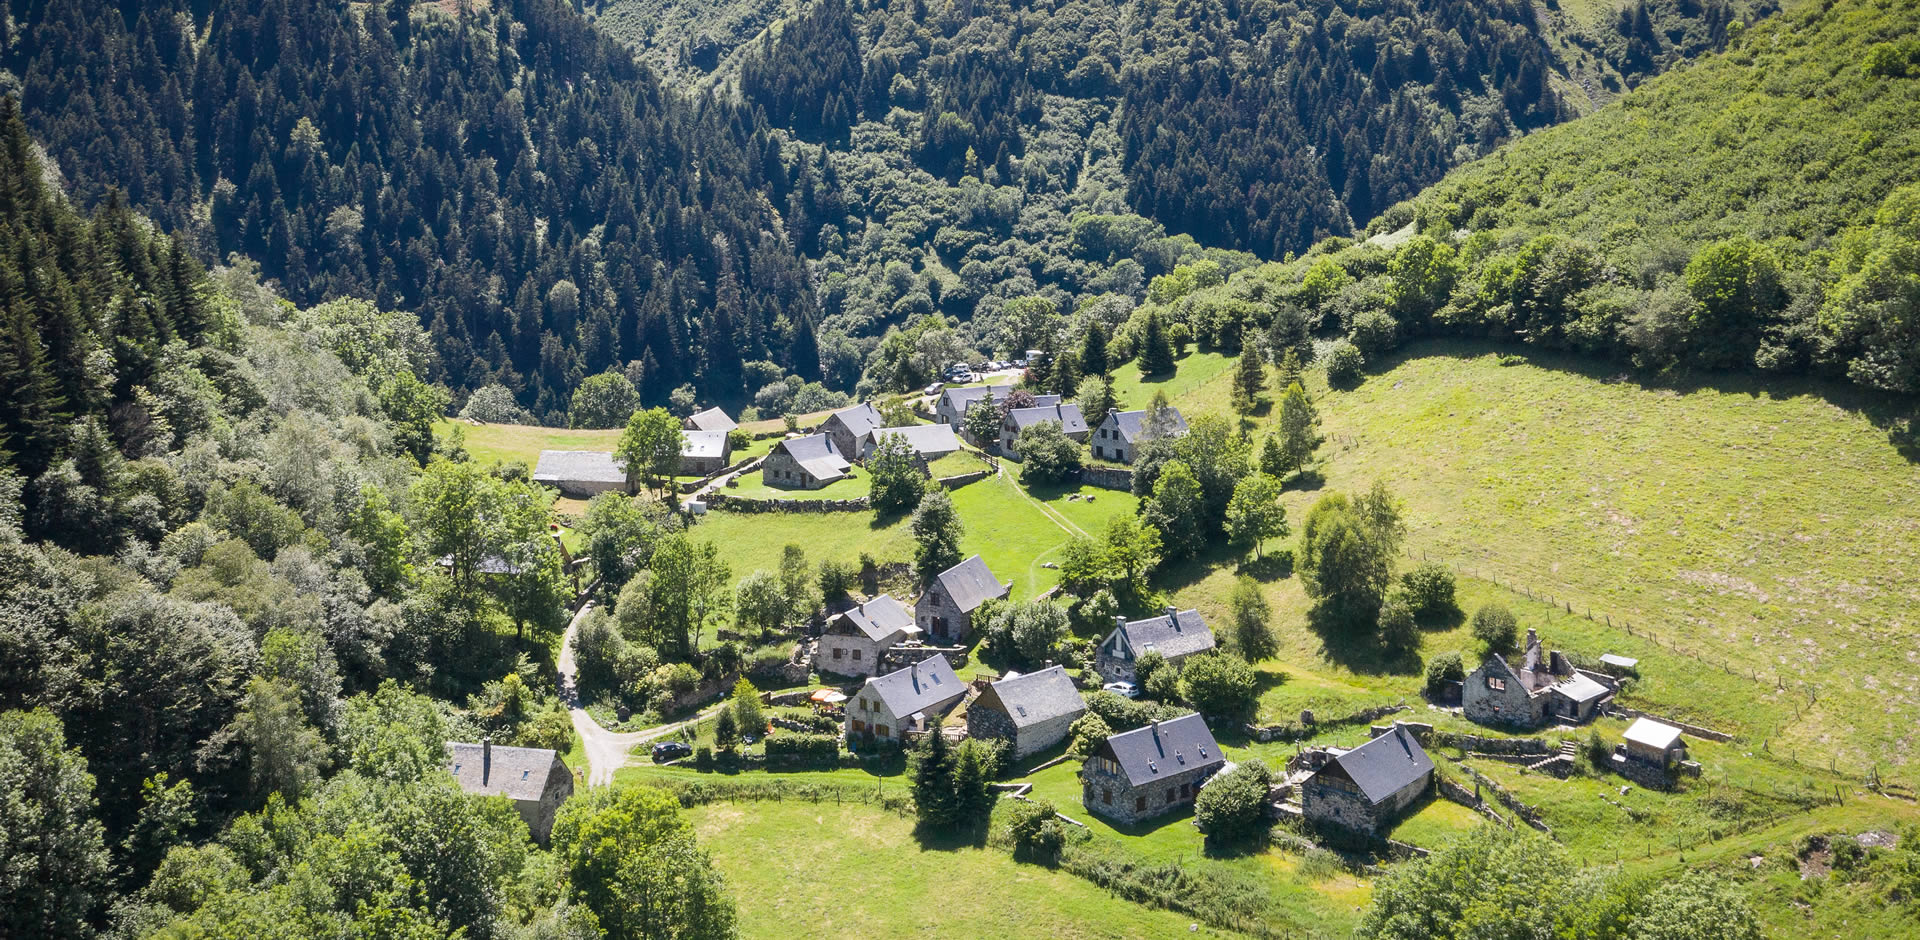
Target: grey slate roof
(860, 419)
(703, 444)
(1382, 766)
(1614, 659)
(1071, 421)
(579, 466)
(817, 455)
(922, 687)
(1579, 688)
(1131, 424)
(1653, 734)
(959, 400)
(712, 419)
(1039, 696)
(518, 773)
(928, 440)
(1165, 748)
(1175, 634)
(881, 617)
(970, 584)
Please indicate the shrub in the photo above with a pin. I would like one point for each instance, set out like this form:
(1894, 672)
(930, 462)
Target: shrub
(1233, 806)
(1344, 365)
(811, 750)
(703, 758)
(1047, 454)
(1375, 332)
(1035, 831)
(1218, 684)
(1495, 626)
(1442, 669)
(1429, 590)
(1085, 735)
(1120, 714)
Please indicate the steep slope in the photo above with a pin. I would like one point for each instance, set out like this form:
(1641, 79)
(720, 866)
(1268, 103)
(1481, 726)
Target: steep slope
(508, 174)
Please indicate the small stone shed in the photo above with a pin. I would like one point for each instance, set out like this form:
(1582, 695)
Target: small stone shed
(534, 778)
(580, 474)
(945, 609)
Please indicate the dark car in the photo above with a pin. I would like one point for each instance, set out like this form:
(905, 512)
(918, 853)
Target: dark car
(670, 751)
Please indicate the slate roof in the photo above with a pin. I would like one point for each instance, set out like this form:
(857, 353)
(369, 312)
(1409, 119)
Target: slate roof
(1164, 748)
(712, 419)
(1383, 766)
(1130, 424)
(922, 687)
(861, 419)
(931, 440)
(970, 583)
(1653, 734)
(703, 444)
(578, 466)
(1615, 659)
(1039, 696)
(958, 400)
(817, 455)
(881, 617)
(1174, 634)
(518, 773)
(1580, 688)
(1071, 421)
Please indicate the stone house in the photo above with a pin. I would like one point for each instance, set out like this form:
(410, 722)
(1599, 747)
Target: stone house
(534, 778)
(849, 425)
(930, 442)
(1175, 634)
(712, 419)
(1137, 775)
(1019, 419)
(581, 474)
(1120, 434)
(704, 452)
(805, 463)
(945, 609)
(1543, 687)
(1652, 742)
(854, 639)
(951, 409)
(1030, 712)
(892, 706)
(1367, 788)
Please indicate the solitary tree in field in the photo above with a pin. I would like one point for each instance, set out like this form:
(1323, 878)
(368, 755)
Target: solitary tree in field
(1249, 621)
(1255, 515)
(1299, 432)
(1177, 510)
(649, 447)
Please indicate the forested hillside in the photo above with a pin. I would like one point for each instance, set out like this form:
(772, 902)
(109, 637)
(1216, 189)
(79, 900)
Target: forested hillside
(511, 176)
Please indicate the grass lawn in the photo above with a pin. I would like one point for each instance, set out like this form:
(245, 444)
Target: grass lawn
(752, 486)
(1191, 372)
(753, 541)
(856, 870)
(504, 443)
(1435, 822)
(956, 463)
(1015, 532)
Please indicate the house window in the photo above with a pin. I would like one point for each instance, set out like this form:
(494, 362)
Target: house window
(1498, 685)
(880, 730)
(838, 652)
(859, 725)
(1170, 792)
(856, 656)
(1106, 796)
(1139, 804)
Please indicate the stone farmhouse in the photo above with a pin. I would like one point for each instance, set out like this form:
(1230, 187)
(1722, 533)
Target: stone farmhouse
(712, 419)
(534, 778)
(704, 452)
(580, 474)
(855, 639)
(1031, 712)
(1121, 433)
(1545, 687)
(804, 463)
(1019, 419)
(849, 425)
(951, 409)
(1176, 635)
(929, 441)
(905, 702)
(945, 609)
(1137, 775)
(1367, 788)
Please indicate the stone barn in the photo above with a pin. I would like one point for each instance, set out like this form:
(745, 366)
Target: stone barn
(1120, 434)
(580, 474)
(1068, 416)
(712, 419)
(1367, 788)
(855, 639)
(1543, 688)
(534, 778)
(1137, 775)
(1030, 712)
(945, 609)
(892, 706)
(848, 426)
(804, 463)
(1175, 635)
(703, 452)
(929, 442)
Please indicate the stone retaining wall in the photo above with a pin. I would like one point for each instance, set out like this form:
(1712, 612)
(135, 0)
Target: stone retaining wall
(960, 480)
(747, 504)
(1478, 745)
(1308, 727)
(1622, 711)
(1107, 478)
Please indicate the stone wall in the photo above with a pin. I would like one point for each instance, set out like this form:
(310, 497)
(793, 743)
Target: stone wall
(1328, 802)
(1039, 737)
(895, 658)
(1307, 727)
(1108, 478)
(1509, 707)
(745, 504)
(991, 723)
(960, 480)
(1476, 743)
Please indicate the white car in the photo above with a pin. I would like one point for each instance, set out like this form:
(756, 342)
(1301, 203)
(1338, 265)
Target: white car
(1122, 689)
(933, 389)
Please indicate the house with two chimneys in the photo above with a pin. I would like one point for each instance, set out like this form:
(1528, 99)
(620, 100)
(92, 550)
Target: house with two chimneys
(805, 463)
(1544, 687)
(1137, 775)
(1366, 789)
(1030, 712)
(945, 609)
(854, 639)
(1067, 415)
(1120, 434)
(904, 702)
(534, 778)
(1175, 635)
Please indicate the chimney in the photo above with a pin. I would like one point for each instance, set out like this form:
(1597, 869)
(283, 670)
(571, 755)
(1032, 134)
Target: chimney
(486, 758)
(1119, 622)
(1173, 617)
(1533, 638)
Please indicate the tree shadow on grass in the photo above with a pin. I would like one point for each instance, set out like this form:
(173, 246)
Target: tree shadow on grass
(1450, 619)
(1357, 647)
(1274, 566)
(1179, 575)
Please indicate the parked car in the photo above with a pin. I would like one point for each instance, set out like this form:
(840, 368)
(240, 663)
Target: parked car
(933, 389)
(671, 750)
(1123, 689)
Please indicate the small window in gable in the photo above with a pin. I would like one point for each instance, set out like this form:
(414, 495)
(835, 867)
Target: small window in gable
(1498, 685)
